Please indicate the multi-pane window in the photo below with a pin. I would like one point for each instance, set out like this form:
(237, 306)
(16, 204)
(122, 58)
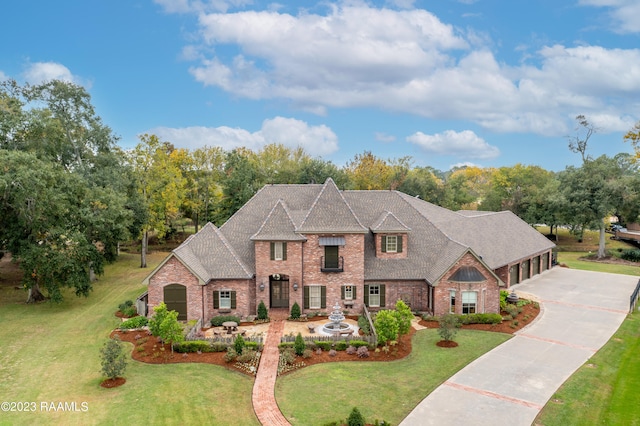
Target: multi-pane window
(225, 299)
(452, 303)
(348, 292)
(315, 297)
(278, 250)
(374, 295)
(469, 302)
(392, 244)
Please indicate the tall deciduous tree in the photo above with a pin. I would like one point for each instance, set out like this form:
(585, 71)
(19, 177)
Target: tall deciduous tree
(160, 183)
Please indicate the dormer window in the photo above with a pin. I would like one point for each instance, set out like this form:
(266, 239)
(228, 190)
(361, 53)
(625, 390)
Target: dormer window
(392, 244)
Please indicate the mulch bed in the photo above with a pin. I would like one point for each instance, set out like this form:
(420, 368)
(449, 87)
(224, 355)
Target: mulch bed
(148, 349)
(528, 311)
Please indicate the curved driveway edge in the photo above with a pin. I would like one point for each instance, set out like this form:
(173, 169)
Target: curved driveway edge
(510, 384)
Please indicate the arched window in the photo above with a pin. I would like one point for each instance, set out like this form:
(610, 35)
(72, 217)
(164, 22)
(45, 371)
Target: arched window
(467, 274)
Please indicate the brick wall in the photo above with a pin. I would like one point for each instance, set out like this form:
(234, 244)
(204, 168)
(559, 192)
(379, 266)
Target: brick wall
(353, 254)
(174, 272)
(265, 267)
(401, 255)
(488, 291)
(245, 298)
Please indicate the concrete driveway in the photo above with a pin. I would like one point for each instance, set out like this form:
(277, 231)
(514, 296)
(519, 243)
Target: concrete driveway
(510, 384)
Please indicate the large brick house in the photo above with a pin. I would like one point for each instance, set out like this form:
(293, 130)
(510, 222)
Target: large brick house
(317, 245)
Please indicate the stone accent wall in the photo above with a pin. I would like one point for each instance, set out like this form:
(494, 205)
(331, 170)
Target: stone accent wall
(488, 299)
(353, 255)
(401, 255)
(174, 272)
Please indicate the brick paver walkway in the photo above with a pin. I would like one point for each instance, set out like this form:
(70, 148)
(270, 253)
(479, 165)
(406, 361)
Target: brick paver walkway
(263, 397)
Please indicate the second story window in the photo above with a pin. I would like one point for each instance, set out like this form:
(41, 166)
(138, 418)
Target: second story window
(278, 250)
(392, 244)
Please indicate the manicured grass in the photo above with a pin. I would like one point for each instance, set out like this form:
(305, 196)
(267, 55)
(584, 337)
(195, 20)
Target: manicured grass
(572, 260)
(381, 390)
(50, 353)
(605, 390)
(590, 241)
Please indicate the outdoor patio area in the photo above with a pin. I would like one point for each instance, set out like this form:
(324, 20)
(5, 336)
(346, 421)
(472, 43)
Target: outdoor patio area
(290, 327)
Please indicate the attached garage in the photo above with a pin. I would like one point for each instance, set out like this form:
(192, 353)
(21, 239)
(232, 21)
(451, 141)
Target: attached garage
(175, 297)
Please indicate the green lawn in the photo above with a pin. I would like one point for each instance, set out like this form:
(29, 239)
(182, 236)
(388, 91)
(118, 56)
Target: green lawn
(50, 353)
(381, 390)
(605, 390)
(572, 260)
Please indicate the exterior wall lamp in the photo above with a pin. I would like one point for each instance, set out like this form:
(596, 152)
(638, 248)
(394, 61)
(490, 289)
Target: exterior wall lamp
(261, 286)
(295, 286)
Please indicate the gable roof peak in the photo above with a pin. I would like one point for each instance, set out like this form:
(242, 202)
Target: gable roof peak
(331, 213)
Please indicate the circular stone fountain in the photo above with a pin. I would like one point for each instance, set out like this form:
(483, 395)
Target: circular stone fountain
(335, 326)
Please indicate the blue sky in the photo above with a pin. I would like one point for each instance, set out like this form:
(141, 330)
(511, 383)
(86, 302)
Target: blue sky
(447, 82)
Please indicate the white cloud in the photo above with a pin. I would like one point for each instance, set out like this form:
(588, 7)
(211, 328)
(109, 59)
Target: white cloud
(623, 13)
(460, 144)
(199, 6)
(316, 140)
(409, 61)
(3, 76)
(384, 137)
(39, 72)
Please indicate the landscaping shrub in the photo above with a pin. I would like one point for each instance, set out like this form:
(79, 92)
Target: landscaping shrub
(218, 347)
(325, 345)
(124, 305)
(113, 359)
(135, 322)
(248, 344)
(295, 311)
(631, 255)
(512, 309)
(307, 353)
(386, 325)
(238, 344)
(503, 298)
(247, 355)
(481, 319)
(351, 350)
(404, 316)
(363, 324)
(449, 325)
(231, 355)
(355, 418)
(363, 352)
(262, 311)
(285, 345)
(160, 313)
(341, 345)
(299, 345)
(287, 357)
(358, 343)
(194, 346)
(219, 319)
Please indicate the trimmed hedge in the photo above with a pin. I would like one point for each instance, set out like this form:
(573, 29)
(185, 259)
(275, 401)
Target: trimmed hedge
(135, 322)
(481, 319)
(218, 320)
(189, 346)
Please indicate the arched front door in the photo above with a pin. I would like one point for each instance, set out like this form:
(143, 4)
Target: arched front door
(279, 291)
(175, 297)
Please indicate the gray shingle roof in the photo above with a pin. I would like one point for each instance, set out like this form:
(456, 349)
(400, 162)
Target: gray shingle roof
(278, 226)
(209, 255)
(330, 213)
(437, 237)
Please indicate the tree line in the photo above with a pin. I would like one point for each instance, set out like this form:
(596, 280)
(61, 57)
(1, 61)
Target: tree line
(69, 194)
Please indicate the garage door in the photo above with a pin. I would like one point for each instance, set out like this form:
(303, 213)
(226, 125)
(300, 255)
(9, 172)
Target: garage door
(525, 270)
(513, 271)
(536, 265)
(545, 261)
(175, 297)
